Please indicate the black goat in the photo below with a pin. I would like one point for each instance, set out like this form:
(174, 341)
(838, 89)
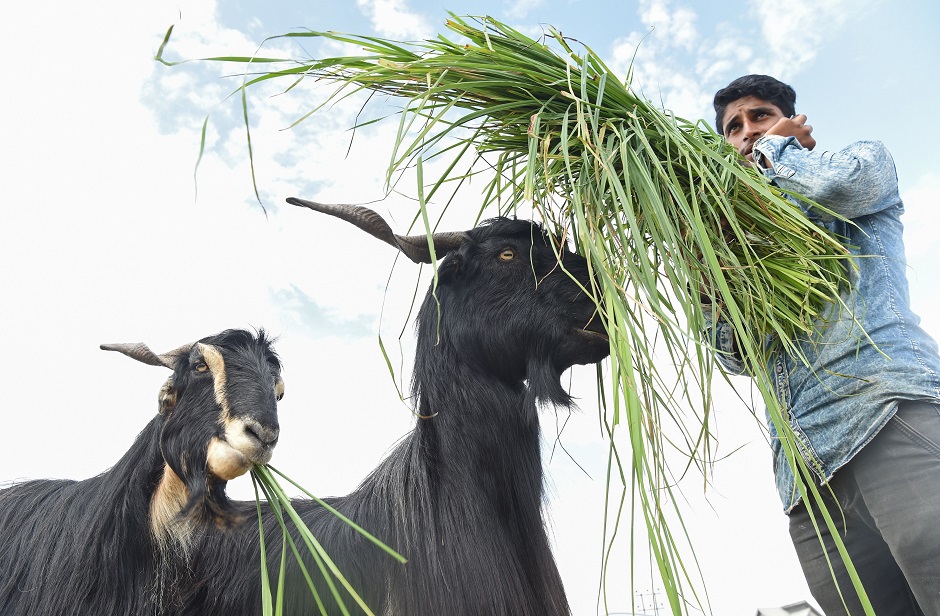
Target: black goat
(461, 495)
(120, 543)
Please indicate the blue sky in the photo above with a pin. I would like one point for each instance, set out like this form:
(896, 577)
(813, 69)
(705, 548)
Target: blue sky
(103, 238)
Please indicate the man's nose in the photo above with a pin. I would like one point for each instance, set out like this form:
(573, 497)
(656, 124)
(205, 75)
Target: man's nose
(752, 131)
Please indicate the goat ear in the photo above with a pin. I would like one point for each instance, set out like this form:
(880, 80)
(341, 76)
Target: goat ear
(449, 268)
(166, 400)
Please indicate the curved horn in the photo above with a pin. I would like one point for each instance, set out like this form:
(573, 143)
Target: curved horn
(415, 247)
(142, 353)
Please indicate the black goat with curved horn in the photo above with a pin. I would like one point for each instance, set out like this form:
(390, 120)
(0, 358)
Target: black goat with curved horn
(461, 495)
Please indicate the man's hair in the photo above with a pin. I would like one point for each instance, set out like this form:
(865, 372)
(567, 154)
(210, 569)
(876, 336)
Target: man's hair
(763, 87)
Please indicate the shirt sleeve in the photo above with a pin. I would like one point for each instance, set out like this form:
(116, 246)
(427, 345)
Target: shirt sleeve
(721, 336)
(856, 181)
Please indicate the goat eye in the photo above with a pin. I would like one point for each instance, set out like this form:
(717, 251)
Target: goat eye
(200, 366)
(507, 255)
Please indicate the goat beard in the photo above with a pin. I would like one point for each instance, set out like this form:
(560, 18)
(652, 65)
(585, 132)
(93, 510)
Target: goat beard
(208, 503)
(544, 387)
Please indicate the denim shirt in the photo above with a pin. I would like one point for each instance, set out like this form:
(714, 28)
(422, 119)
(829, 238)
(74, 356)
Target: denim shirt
(853, 386)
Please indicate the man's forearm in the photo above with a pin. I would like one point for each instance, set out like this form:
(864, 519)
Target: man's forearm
(856, 181)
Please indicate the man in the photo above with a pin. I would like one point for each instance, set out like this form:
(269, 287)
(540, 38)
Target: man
(866, 411)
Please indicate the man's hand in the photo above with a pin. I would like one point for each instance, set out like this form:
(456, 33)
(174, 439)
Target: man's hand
(794, 127)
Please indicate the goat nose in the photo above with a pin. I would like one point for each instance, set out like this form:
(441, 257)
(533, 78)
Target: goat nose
(266, 434)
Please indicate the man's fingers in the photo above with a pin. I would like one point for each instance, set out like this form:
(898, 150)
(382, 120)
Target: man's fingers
(795, 126)
(804, 132)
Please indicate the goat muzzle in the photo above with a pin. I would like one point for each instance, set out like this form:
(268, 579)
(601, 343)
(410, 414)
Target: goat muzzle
(246, 442)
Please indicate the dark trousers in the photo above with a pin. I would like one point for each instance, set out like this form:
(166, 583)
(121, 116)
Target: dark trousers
(889, 496)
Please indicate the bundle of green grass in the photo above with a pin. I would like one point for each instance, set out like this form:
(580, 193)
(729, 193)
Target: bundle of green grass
(657, 202)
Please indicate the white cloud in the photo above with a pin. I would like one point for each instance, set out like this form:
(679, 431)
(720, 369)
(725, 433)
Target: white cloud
(674, 24)
(718, 59)
(658, 76)
(792, 34)
(520, 8)
(394, 19)
(658, 56)
(782, 41)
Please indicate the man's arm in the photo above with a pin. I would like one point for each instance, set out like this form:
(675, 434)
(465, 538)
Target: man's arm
(856, 181)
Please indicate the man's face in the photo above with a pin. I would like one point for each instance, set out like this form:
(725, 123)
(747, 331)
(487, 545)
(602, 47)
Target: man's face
(746, 120)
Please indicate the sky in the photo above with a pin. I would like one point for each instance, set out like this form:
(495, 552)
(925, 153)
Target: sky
(107, 234)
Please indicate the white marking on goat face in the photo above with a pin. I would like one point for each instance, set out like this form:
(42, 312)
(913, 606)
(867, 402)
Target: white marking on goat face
(225, 460)
(233, 454)
(236, 451)
(216, 364)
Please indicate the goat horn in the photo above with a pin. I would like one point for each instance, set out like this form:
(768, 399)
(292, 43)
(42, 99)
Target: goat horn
(415, 247)
(142, 353)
